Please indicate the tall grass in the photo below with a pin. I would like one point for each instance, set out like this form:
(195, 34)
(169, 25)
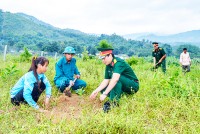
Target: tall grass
(164, 103)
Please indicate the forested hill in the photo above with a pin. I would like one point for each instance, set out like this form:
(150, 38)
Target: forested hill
(18, 30)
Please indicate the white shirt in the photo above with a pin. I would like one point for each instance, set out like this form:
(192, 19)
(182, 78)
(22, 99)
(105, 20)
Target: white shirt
(185, 58)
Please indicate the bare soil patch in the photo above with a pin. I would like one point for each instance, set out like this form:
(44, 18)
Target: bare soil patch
(72, 107)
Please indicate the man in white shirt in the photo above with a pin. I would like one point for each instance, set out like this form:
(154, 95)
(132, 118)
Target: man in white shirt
(185, 60)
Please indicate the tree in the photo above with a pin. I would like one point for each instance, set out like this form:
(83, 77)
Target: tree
(85, 54)
(19, 46)
(92, 50)
(123, 49)
(104, 44)
(168, 49)
(25, 56)
(52, 47)
(116, 51)
(130, 53)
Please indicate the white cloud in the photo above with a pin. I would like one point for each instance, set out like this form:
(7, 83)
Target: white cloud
(112, 16)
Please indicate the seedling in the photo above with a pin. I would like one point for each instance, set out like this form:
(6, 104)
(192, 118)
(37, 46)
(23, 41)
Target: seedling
(80, 91)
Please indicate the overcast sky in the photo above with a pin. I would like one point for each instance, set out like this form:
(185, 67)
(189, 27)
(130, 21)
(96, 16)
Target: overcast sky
(113, 16)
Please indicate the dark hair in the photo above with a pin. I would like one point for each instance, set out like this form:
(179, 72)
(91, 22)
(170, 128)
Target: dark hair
(34, 65)
(184, 48)
(111, 54)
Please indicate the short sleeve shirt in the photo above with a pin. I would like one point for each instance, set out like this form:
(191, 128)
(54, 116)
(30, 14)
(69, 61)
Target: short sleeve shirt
(158, 54)
(121, 67)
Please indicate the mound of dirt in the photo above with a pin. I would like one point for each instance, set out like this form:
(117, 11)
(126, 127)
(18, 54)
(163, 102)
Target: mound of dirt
(72, 107)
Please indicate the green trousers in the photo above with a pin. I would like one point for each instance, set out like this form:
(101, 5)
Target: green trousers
(162, 65)
(123, 85)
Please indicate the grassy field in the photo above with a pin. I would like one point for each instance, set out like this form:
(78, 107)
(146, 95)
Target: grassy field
(164, 103)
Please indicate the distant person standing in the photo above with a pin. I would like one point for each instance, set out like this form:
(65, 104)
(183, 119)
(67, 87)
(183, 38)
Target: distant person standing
(185, 60)
(159, 57)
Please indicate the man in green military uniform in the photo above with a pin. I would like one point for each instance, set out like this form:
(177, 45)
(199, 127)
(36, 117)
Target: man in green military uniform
(119, 78)
(159, 57)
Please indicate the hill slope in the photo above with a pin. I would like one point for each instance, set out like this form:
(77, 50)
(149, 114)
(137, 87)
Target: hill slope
(190, 36)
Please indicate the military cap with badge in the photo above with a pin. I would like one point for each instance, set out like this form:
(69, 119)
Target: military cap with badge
(104, 49)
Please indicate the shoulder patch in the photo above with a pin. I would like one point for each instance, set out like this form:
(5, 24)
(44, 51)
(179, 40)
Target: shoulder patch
(115, 60)
(160, 48)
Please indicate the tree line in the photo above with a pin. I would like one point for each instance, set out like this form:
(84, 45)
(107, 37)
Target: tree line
(18, 32)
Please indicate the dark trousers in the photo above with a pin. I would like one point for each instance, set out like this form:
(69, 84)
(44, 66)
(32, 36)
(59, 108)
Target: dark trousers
(162, 65)
(19, 98)
(186, 68)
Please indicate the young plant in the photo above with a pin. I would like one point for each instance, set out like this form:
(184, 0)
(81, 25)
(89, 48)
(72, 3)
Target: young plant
(80, 91)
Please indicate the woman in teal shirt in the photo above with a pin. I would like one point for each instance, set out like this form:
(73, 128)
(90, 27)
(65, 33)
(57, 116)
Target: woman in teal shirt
(30, 86)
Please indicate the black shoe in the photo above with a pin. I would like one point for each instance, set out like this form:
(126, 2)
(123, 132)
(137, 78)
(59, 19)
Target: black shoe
(106, 106)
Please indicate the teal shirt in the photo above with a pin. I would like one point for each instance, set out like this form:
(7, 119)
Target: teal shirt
(26, 82)
(66, 69)
(121, 67)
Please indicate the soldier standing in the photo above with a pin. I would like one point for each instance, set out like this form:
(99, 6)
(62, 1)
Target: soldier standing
(159, 57)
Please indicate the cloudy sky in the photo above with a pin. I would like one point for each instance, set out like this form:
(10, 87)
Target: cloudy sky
(113, 16)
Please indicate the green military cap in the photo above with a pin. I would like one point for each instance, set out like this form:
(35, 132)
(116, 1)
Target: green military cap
(154, 42)
(104, 49)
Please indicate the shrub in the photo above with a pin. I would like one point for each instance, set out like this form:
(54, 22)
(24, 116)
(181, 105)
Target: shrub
(25, 56)
(132, 61)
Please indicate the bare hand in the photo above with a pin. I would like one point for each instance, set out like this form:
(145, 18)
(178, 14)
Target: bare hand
(71, 83)
(46, 102)
(93, 95)
(78, 76)
(102, 97)
(42, 110)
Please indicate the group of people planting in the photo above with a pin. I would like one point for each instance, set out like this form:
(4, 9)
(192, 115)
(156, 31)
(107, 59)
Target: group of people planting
(119, 78)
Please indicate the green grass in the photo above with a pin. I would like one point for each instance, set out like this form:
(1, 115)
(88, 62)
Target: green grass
(164, 103)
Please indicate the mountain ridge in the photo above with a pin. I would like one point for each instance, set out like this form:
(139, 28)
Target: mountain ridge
(192, 36)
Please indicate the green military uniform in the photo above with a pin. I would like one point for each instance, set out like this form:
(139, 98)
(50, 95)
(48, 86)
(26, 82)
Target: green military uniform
(128, 82)
(158, 54)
